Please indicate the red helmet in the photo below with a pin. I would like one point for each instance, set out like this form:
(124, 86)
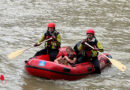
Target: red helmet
(90, 31)
(51, 25)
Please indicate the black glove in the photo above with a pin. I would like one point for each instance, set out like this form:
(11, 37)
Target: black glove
(95, 49)
(53, 37)
(36, 44)
(83, 41)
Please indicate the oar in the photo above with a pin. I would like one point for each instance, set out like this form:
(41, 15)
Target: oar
(116, 63)
(19, 52)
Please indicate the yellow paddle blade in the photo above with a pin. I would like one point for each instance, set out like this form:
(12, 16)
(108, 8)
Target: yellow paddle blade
(16, 53)
(118, 65)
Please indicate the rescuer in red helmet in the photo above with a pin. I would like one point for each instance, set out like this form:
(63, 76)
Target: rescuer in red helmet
(52, 44)
(84, 52)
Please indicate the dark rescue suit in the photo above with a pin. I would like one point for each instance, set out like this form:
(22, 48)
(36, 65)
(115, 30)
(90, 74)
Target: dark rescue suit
(85, 53)
(51, 46)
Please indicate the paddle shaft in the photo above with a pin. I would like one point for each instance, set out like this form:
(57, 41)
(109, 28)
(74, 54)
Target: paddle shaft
(19, 52)
(47, 40)
(97, 51)
(40, 43)
(116, 63)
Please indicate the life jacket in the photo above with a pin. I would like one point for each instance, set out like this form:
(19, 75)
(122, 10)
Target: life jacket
(88, 50)
(93, 44)
(51, 44)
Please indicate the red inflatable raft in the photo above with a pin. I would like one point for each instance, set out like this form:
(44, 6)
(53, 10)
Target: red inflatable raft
(41, 66)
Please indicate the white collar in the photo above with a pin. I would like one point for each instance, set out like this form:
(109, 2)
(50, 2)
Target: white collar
(93, 40)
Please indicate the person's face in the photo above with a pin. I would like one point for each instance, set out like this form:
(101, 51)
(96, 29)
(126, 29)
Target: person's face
(69, 51)
(90, 36)
(51, 29)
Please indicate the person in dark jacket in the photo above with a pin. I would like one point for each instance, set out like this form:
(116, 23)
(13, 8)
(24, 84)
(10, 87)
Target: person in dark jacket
(52, 44)
(85, 53)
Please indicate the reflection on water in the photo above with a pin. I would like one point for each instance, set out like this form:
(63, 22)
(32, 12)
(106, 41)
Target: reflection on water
(22, 23)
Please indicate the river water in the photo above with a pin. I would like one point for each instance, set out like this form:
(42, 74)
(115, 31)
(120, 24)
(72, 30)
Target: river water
(22, 22)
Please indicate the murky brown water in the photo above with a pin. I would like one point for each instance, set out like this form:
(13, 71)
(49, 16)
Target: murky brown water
(22, 23)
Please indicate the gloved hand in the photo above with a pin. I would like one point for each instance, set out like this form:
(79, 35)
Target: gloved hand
(83, 41)
(95, 49)
(36, 44)
(53, 37)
